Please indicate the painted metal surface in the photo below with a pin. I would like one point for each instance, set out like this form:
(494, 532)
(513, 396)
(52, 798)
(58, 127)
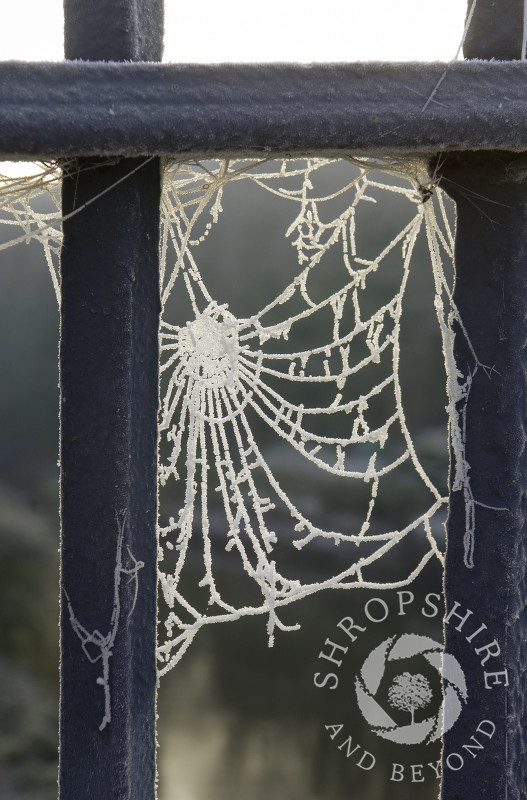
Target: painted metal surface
(486, 623)
(113, 30)
(490, 293)
(81, 108)
(109, 399)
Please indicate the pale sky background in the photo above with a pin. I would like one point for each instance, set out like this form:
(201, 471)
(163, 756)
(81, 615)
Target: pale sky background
(271, 30)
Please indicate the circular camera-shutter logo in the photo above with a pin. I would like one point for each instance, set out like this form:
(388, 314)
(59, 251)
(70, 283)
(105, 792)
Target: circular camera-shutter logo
(410, 691)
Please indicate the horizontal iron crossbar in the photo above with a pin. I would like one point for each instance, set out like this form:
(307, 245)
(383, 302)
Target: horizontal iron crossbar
(110, 109)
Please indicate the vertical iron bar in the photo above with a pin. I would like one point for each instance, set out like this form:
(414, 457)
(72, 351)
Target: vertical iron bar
(491, 295)
(488, 760)
(113, 30)
(109, 399)
(496, 30)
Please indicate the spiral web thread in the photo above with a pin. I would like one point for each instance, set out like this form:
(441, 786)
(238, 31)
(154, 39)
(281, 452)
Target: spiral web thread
(221, 374)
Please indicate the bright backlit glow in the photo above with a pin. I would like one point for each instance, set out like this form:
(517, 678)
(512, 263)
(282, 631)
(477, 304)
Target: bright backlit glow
(279, 30)
(343, 30)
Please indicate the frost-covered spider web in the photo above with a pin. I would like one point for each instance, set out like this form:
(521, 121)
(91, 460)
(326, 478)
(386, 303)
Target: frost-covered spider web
(308, 380)
(291, 387)
(32, 202)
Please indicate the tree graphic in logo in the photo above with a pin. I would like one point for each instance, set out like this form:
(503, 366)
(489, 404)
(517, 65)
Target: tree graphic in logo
(410, 692)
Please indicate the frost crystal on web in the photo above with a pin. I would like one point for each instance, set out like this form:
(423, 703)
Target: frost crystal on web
(313, 371)
(25, 203)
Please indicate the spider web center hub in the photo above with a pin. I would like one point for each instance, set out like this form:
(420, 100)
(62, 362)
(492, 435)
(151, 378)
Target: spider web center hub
(211, 348)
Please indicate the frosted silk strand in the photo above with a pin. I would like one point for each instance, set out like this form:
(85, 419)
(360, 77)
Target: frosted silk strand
(97, 646)
(332, 397)
(524, 38)
(16, 209)
(456, 55)
(19, 200)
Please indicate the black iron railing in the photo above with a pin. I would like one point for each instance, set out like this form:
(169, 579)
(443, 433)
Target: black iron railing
(135, 113)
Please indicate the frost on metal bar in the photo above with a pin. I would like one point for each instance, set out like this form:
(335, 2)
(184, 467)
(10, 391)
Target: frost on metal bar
(77, 108)
(306, 380)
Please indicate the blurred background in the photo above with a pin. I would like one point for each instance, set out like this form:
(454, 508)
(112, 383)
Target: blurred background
(236, 719)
